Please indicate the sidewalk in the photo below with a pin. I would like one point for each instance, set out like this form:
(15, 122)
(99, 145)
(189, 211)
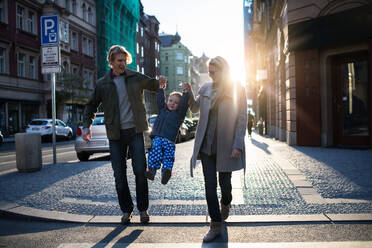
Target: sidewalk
(284, 184)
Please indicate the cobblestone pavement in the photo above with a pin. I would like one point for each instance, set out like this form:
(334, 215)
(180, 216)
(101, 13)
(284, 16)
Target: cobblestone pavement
(279, 180)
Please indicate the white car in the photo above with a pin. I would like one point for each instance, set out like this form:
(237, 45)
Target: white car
(44, 127)
(99, 142)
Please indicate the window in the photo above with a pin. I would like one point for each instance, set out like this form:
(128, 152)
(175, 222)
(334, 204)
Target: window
(20, 14)
(179, 56)
(31, 22)
(143, 70)
(26, 19)
(166, 71)
(73, 7)
(63, 31)
(166, 56)
(137, 27)
(156, 62)
(74, 45)
(90, 16)
(84, 11)
(137, 48)
(2, 11)
(68, 5)
(21, 64)
(179, 70)
(138, 68)
(91, 79)
(32, 67)
(75, 69)
(90, 47)
(2, 60)
(141, 31)
(142, 53)
(85, 45)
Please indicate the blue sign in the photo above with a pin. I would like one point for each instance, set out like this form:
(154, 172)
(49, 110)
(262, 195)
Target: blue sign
(49, 30)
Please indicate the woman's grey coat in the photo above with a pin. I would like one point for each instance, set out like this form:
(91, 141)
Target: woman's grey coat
(231, 125)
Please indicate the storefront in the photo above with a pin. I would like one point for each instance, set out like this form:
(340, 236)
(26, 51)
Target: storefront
(15, 115)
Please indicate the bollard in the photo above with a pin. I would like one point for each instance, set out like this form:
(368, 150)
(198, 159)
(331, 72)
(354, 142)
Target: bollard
(28, 152)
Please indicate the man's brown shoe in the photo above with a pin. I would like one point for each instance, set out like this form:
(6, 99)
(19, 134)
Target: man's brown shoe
(125, 219)
(144, 217)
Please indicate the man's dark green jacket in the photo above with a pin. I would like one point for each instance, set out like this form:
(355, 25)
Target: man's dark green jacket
(106, 94)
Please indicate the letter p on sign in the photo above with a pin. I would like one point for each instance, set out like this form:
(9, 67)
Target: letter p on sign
(49, 30)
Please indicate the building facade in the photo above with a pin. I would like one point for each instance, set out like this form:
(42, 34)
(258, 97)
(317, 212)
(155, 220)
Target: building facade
(22, 88)
(249, 48)
(77, 32)
(148, 53)
(175, 62)
(25, 93)
(315, 83)
(117, 21)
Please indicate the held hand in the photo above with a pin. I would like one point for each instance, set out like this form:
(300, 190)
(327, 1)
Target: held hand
(162, 82)
(87, 135)
(186, 87)
(235, 153)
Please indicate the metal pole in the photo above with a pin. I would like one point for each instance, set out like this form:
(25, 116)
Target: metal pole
(54, 116)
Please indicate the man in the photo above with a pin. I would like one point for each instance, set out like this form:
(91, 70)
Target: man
(250, 123)
(120, 92)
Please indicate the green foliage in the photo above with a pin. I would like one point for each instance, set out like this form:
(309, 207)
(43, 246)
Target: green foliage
(71, 87)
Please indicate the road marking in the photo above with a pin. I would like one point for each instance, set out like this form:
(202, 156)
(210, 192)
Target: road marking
(152, 202)
(305, 188)
(116, 242)
(237, 190)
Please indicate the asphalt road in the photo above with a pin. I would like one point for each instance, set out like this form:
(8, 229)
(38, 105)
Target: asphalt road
(65, 152)
(23, 233)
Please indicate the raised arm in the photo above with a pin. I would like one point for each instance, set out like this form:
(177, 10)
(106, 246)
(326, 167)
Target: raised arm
(161, 98)
(151, 84)
(193, 103)
(183, 104)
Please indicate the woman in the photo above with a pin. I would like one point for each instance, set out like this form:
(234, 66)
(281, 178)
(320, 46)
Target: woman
(219, 140)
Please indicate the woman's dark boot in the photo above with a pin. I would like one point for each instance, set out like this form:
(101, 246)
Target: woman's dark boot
(214, 231)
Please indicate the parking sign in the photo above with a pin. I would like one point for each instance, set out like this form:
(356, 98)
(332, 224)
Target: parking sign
(49, 30)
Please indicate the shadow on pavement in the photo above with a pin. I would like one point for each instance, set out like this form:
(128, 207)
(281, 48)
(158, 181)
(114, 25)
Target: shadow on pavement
(16, 186)
(25, 227)
(116, 232)
(346, 172)
(263, 146)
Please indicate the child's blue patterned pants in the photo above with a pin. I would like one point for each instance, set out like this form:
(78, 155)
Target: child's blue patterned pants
(162, 150)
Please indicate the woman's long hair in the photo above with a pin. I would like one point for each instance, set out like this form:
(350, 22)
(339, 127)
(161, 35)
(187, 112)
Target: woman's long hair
(223, 66)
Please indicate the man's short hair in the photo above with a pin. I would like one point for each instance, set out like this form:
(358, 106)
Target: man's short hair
(117, 49)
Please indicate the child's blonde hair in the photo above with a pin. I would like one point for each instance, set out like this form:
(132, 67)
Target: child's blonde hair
(176, 93)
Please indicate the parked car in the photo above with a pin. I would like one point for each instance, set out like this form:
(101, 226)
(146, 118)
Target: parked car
(99, 142)
(44, 127)
(191, 127)
(1, 138)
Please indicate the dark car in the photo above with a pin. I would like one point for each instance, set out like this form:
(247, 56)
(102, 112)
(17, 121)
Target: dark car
(1, 138)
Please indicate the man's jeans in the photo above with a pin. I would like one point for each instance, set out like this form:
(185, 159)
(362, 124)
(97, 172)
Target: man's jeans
(118, 152)
(210, 180)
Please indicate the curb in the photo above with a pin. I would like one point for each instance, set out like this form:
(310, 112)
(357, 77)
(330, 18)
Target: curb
(14, 210)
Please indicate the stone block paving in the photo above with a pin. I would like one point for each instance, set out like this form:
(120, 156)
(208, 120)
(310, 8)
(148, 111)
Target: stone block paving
(88, 187)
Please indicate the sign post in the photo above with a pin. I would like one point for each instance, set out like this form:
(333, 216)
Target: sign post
(51, 61)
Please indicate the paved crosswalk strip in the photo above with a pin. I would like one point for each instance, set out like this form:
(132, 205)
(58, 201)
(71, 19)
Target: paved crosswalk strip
(350, 244)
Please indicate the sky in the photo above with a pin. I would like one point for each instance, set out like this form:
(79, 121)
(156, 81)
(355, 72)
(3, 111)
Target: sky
(214, 27)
